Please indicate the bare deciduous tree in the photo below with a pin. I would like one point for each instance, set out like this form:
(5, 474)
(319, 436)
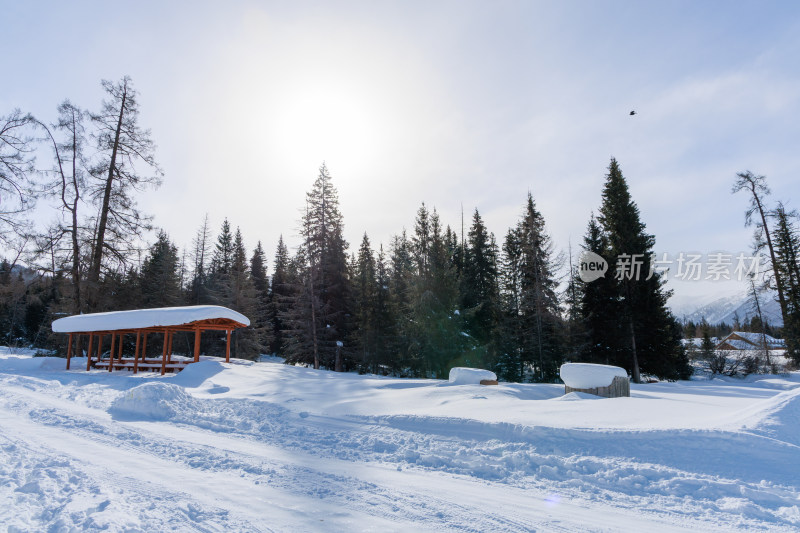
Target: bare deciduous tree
(16, 169)
(124, 148)
(69, 184)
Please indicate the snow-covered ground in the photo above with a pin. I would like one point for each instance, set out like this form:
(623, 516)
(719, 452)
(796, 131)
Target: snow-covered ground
(268, 447)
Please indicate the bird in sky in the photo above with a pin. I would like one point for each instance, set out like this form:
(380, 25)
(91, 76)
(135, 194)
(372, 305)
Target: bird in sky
(633, 113)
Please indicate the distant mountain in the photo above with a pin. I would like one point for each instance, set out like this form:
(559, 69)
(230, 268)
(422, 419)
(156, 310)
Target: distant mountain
(725, 310)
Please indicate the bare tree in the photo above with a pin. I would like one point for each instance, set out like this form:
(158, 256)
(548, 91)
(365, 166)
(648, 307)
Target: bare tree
(124, 147)
(69, 184)
(757, 187)
(17, 193)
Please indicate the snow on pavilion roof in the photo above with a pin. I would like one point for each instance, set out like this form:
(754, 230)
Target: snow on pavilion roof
(145, 318)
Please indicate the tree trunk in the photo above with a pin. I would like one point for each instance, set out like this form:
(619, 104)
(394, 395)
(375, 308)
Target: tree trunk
(775, 269)
(636, 376)
(76, 257)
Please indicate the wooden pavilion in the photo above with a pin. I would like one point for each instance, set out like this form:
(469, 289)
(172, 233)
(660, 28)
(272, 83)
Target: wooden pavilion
(141, 322)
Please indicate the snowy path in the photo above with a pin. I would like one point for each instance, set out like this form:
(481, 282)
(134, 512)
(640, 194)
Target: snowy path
(223, 463)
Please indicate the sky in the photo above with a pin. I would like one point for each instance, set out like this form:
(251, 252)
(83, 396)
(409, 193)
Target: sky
(462, 105)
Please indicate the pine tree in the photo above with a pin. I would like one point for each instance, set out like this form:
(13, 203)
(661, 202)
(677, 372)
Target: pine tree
(539, 304)
(365, 305)
(160, 281)
(434, 328)
(240, 295)
(652, 333)
(385, 324)
(401, 273)
(511, 362)
(600, 308)
(480, 290)
(280, 296)
(321, 309)
(262, 321)
(575, 340)
(787, 254)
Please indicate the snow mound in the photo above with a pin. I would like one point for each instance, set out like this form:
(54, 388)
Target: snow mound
(196, 373)
(461, 375)
(152, 401)
(589, 376)
(25, 363)
(778, 417)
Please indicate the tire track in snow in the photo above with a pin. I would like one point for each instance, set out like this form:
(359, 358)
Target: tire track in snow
(490, 454)
(405, 507)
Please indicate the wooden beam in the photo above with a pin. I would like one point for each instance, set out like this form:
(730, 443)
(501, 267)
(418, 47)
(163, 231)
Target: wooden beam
(89, 352)
(136, 353)
(144, 346)
(69, 350)
(228, 348)
(197, 345)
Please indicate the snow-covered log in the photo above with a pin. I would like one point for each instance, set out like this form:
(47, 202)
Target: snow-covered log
(460, 375)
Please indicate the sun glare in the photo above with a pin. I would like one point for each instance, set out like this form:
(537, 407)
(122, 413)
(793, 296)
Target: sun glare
(324, 123)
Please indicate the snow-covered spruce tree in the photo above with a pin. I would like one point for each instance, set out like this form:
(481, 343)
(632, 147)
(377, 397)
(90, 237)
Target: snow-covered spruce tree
(280, 296)
(480, 294)
(262, 316)
(322, 305)
(241, 296)
(575, 333)
(539, 305)
(159, 277)
(219, 270)
(605, 340)
(651, 332)
(401, 274)
(510, 364)
(364, 285)
(436, 342)
(385, 329)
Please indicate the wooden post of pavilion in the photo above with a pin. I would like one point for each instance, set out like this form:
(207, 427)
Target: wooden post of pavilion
(228, 347)
(89, 352)
(100, 346)
(69, 350)
(196, 345)
(136, 353)
(164, 353)
(111, 353)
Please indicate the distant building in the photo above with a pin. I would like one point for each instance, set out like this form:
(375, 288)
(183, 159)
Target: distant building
(741, 340)
(697, 342)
